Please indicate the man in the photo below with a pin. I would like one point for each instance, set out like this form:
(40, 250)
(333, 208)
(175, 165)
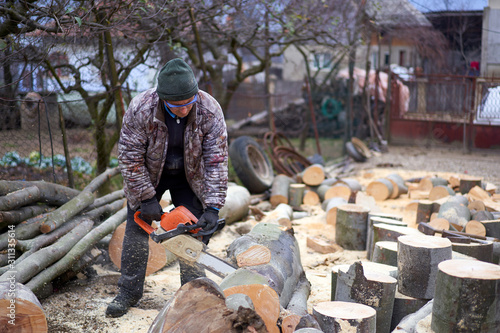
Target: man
(173, 138)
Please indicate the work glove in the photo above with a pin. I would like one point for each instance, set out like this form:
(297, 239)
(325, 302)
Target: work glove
(150, 210)
(208, 221)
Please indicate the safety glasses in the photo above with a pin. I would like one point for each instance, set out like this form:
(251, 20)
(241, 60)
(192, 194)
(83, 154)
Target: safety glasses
(167, 104)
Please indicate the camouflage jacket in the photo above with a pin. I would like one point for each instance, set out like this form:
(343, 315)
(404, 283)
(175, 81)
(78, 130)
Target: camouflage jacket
(143, 146)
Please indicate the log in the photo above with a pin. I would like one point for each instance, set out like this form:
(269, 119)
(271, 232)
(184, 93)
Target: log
(310, 198)
(282, 215)
(14, 217)
(372, 220)
(418, 258)
(467, 183)
(398, 185)
(440, 224)
(313, 175)
(322, 245)
(410, 322)
(352, 183)
(27, 229)
(492, 228)
(424, 210)
(427, 183)
(321, 191)
(388, 232)
(106, 199)
(391, 216)
(374, 290)
(296, 194)
(19, 198)
(381, 189)
(350, 228)
(50, 193)
(331, 209)
(279, 190)
(481, 251)
(340, 316)
(455, 213)
(467, 298)
(404, 306)
(20, 310)
(38, 282)
(386, 252)
(255, 255)
(289, 323)
(477, 193)
(475, 228)
(43, 258)
(237, 204)
(477, 205)
(337, 191)
(482, 215)
(202, 298)
(440, 191)
(284, 270)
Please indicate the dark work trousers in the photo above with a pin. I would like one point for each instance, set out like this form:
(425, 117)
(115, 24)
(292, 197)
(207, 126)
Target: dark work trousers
(135, 246)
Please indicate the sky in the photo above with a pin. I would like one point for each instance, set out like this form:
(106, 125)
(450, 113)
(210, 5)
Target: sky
(440, 5)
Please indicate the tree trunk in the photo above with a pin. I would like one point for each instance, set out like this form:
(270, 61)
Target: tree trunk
(374, 290)
(336, 317)
(467, 298)
(418, 259)
(20, 310)
(85, 244)
(350, 228)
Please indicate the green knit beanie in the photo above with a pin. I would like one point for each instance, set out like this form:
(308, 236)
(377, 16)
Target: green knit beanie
(176, 81)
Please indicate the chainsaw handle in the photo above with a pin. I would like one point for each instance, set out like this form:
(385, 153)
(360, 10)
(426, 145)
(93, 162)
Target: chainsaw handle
(147, 228)
(220, 224)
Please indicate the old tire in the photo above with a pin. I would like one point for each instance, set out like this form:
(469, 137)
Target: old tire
(251, 164)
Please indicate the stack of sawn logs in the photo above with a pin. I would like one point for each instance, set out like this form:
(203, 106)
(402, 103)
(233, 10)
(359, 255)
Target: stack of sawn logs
(49, 232)
(459, 220)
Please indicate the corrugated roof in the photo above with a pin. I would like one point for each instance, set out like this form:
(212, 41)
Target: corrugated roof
(396, 13)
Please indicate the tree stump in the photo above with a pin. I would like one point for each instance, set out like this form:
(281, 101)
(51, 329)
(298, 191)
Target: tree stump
(381, 189)
(375, 220)
(350, 228)
(279, 190)
(20, 310)
(386, 252)
(481, 251)
(467, 297)
(467, 183)
(296, 194)
(336, 317)
(331, 209)
(388, 232)
(372, 289)
(418, 258)
(492, 228)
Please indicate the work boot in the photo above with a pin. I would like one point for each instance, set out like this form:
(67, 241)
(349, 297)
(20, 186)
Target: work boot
(120, 305)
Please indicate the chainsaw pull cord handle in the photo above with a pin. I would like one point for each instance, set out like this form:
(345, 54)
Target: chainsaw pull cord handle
(147, 228)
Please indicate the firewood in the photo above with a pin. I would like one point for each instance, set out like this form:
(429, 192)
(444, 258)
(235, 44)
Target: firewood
(398, 185)
(455, 213)
(350, 228)
(467, 183)
(477, 205)
(385, 252)
(19, 198)
(372, 220)
(352, 317)
(253, 256)
(492, 228)
(440, 224)
(482, 215)
(106, 199)
(85, 244)
(424, 211)
(381, 189)
(410, 322)
(387, 232)
(418, 194)
(440, 191)
(296, 194)
(14, 217)
(25, 230)
(281, 215)
(289, 323)
(418, 258)
(322, 245)
(237, 204)
(310, 198)
(313, 175)
(374, 290)
(427, 183)
(404, 306)
(158, 256)
(331, 209)
(338, 191)
(279, 190)
(50, 193)
(20, 310)
(477, 193)
(352, 183)
(475, 227)
(391, 216)
(481, 251)
(466, 297)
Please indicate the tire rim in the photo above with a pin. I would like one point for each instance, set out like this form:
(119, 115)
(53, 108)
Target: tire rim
(258, 162)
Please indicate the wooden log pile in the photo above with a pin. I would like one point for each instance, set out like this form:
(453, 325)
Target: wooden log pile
(49, 231)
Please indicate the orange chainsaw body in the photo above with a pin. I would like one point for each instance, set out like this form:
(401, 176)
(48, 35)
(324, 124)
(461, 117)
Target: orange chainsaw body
(170, 220)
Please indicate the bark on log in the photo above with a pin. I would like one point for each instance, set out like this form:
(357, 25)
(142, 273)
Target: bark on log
(481, 215)
(78, 203)
(480, 251)
(381, 189)
(20, 310)
(331, 209)
(410, 322)
(427, 183)
(22, 214)
(284, 271)
(372, 220)
(106, 199)
(43, 258)
(84, 245)
(334, 317)
(467, 298)
(296, 194)
(388, 232)
(424, 211)
(440, 191)
(350, 228)
(467, 183)
(404, 306)
(455, 213)
(19, 198)
(279, 190)
(25, 230)
(492, 228)
(202, 297)
(418, 259)
(386, 252)
(398, 185)
(237, 204)
(51, 194)
(313, 175)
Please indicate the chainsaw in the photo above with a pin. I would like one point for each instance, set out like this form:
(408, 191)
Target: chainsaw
(179, 233)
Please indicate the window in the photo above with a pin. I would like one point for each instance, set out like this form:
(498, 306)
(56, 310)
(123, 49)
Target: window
(402, 56)
(386, 59)
(321, 60)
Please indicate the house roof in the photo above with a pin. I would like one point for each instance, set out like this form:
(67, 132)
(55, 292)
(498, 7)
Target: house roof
(396, 13)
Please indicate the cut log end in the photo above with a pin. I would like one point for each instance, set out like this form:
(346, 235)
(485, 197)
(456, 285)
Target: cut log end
(253, 256)
(470, 269)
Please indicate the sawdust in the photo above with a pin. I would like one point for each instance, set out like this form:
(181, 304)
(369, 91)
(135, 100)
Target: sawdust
(80, 305)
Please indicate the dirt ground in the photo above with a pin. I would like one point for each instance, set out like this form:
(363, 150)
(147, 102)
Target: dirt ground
(79, 305)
